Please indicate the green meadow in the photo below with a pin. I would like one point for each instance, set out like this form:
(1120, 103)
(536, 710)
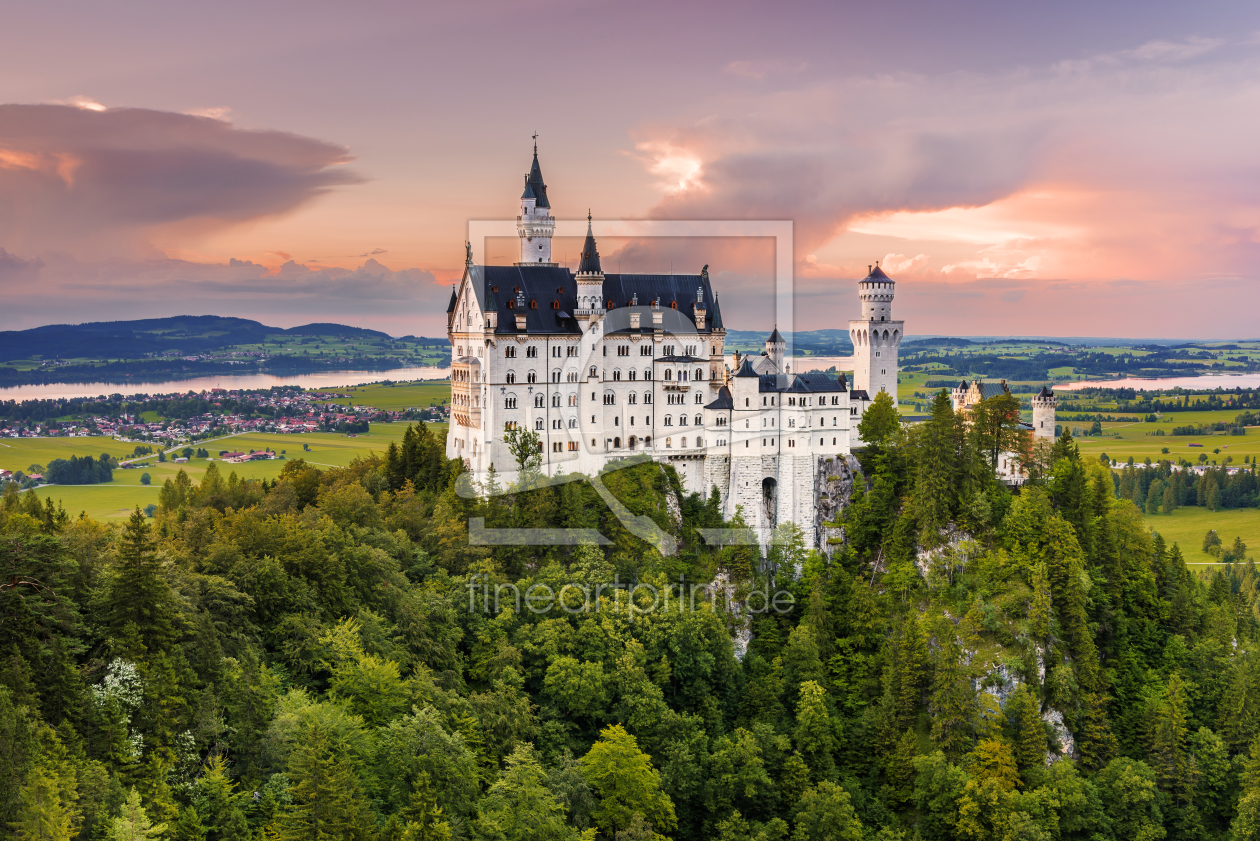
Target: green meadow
(116, 499)
(396, 396)
(21, 453)
(1187, 526)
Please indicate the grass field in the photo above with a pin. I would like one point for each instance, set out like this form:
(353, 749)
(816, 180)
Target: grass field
(1187, 527)
(398, 396)
(1123, 440)
(116, 499)
(21, 453)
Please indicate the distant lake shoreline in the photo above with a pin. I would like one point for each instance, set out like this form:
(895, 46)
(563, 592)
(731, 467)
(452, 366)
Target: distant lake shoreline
(318, 380)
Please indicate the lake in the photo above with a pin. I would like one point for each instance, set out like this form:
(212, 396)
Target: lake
(319, 380)
(1207, 381)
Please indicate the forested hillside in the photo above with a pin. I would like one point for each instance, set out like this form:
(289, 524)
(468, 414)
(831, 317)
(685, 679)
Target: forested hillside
(327, 657)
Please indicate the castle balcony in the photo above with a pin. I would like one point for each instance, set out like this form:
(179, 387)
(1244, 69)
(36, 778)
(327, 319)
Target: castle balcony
(673, 386)
(581, 313)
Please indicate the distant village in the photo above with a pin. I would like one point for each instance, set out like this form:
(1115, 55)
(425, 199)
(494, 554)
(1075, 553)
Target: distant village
(277, 411)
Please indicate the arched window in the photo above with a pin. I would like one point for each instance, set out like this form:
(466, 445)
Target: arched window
(699, 420)
(682, 420)
(669, 375)
(538, 424)
(610, 399)
(669, 420)
(699, 374)
(509, 352)
(673, 305)
(667, 443)
(594, 371)
(572, 399)
(647, 397)
(683, 442)
(647, 373)
(555, 400)
(511, 376)
(632, 398)
(509, 402)
(633, 374)
(531, 377)
(616, 375)
(572, 423)
(539, 401)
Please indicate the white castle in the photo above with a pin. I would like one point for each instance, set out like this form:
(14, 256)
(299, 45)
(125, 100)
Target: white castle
(602, 366)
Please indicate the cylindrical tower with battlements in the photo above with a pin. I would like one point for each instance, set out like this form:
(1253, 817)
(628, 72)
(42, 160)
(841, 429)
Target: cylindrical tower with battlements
(1044, 404)
(876, 336)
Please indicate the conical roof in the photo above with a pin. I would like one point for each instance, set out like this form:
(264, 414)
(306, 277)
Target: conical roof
(534, 186)
(1045, 392)
(775, 337)
(590, 254)
(716, 320)
(877, 273)
(451, 306)
(746, 370)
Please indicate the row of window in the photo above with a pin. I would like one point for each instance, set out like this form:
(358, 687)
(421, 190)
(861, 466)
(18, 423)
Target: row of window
(531, 351)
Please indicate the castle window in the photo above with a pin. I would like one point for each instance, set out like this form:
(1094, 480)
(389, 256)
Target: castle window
(699, 398)
(669, 375)
(647, 397)
(682, 420)
(531, 377)
(573, 446)
(673, 305)
(646, 350)
(494, 289)
(555, 376)
(594, 371)
(699, 421)
(511, 305)
(617, 375)
(538, 424)
(555, 351)
(647, 373)
(511, 376)
(632, 373)
(509, 403)
(570, 377)
(539, 401)
(572, 399)
(573, 425)
(683, 442)
(555, 400)
(571, 350)
(533, 302)
(669, 420)
(509, 352)
(610, 399)
(555, 305)
(668, 441)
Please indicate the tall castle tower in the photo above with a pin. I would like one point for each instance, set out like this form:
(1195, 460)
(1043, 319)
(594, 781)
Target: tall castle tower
(535, 225)
(875, 336)
(1044, 405)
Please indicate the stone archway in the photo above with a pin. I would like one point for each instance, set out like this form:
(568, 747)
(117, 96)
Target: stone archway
(769, 502)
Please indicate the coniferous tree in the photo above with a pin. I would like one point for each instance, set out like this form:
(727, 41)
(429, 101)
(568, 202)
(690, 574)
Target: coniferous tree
(936, 468)
(140, 605)
(327, 800)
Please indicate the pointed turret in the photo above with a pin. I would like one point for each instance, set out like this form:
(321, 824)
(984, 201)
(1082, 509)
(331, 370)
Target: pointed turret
(535, 225)
(589, 263)
(590, 277)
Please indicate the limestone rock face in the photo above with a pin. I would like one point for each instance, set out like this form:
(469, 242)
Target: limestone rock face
(833, 487)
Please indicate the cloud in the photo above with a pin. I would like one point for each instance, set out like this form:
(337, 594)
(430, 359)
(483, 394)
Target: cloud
(61, 288)
(91, 180)
(1137, 166)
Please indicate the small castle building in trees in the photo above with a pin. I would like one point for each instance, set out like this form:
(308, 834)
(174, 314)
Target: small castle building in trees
(601, 366)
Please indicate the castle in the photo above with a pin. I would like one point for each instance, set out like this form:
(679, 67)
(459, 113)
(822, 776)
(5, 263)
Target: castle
(601, 366)
(965, 396)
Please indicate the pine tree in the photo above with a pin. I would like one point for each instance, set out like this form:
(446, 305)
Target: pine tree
(909, 670)
(133, 823)
(140, 605)
(327, 801)
(1166, 739)
(46, 811)
(815, 731)
(1023, 722)
(935, 486)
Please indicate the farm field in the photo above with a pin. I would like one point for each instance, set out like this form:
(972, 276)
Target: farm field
(116, 499)
(398, 396)
(1187, 526)
(21, 453)
(1134, 441)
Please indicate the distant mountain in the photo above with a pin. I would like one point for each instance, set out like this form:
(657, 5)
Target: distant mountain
(185, 334)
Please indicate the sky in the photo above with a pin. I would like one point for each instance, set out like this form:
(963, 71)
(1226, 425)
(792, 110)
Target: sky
(1052, 169)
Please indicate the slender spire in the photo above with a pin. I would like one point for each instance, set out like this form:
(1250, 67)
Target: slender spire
(534, 186)
(589, 263)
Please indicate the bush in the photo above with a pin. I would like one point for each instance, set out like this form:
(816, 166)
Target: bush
(150, 510)
(145, 479)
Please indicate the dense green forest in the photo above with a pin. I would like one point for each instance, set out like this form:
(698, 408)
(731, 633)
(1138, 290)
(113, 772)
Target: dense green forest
(323, 657)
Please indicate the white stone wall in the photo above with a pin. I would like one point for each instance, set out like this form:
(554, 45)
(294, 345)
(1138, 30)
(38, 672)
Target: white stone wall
(1043, 416)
